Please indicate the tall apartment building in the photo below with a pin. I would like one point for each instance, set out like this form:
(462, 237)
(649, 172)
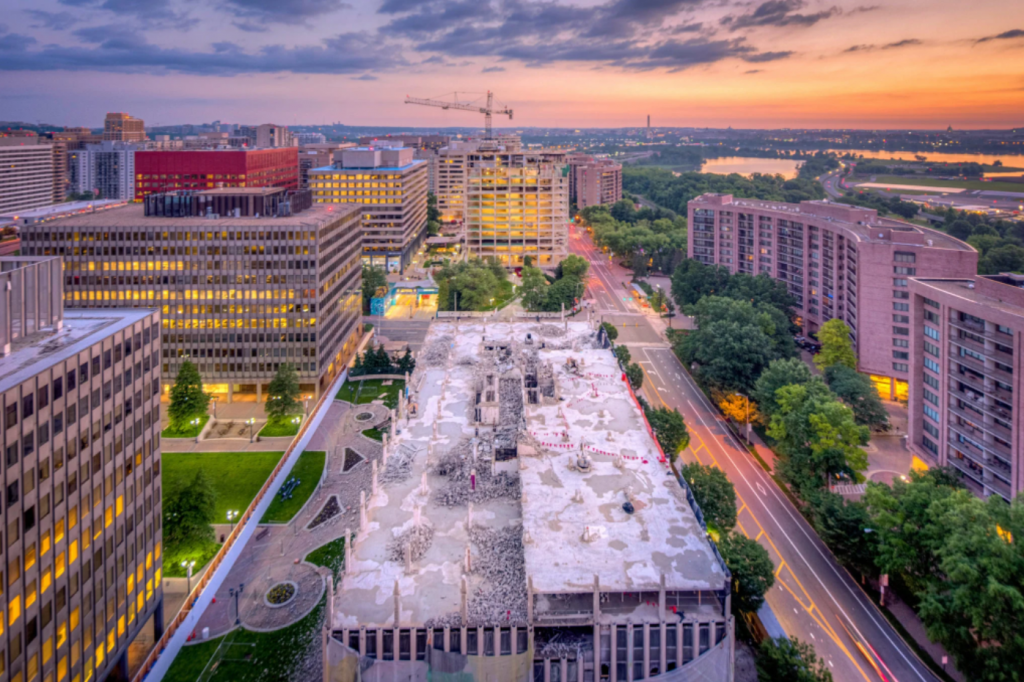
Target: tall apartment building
(107, 169)
(594, 181)
(454, 163)
(77, 138)
(239, 296)
(163, 171)
(838, 261)
(965, 408)
(82, 518)
(317, 156)
(518, 211)
(390, 189)
(270, 135)
(123, 128)
(27, 177)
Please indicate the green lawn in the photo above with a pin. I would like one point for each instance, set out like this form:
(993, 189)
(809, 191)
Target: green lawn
(949, 184)
(331, 555)
(201, 555)
(236, 476)
(244, 656)
(503, 297)
(276, 428)
(308, 470)
(372, 389)
(375, 434)
(188, 432)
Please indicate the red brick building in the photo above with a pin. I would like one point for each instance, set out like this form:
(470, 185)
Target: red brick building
(160, 171)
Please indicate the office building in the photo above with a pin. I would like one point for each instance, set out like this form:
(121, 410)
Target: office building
(106, 169)
(270, 135)
(518, 211)
(123, 128)
(390, 189)
(76, 138)
(64, 209)
(454, 163)
(538, 538)
(838, 261)
(594, 181)
(240, 296)
(163, 171)
(27, 177)
(82, 550)
(317, 156)
(433, 142)
(303, 139)
(965, 408)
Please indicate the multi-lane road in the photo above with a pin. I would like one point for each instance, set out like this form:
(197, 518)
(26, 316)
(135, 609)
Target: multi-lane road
(814, 599)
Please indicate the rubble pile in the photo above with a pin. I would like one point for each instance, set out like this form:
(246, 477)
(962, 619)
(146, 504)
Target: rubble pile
(417, 539)
(456, 466)
(562, 644)
(399, 466)
(435, 354)
(498, 559)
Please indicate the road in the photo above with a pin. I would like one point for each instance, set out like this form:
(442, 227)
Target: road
(814, 598)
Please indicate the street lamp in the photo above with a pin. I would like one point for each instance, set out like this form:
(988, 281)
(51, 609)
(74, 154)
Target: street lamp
(250, 421)
(296, 420)
(188, 566)
(195, 423)
(233, 515)
(305, 403)
(214, 399)
(236, 594)
(748, 416)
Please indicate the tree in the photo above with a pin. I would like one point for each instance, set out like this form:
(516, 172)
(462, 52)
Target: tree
(1005, 258)
(373, 279)
(188, 401)
(836, 347)
(753, 573)
(738, 408)
(533, 289)
(527, 261)
(574, 266)
(189, 512)
(714, 493)
(635, 375)
(790, 660)
(961, 229)
(779, 373)
(611, 330)
(623, 355)
(433, 228)
(433, 214)
(406, 364)
(283, 400)
(847, 530)
(857, 391)
(670, 430)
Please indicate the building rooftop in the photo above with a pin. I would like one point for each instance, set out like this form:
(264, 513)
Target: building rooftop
(61, 210)
(133, 216)
(368, 169)
(862, 223)
(994, 292)
(540, 517)
(81, 329)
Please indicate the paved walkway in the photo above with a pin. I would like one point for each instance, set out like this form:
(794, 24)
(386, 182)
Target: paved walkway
(276, 552)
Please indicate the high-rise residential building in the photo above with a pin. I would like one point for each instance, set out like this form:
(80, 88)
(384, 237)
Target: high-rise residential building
(239, 295)
(390, 189)
(317, 156)
(965, 408)
(27, 177)
(271, 135)
(106, 169)
(594, 181)
(454, 162)
(82, 551)
(518, 211)
(838, 261)
(303, 139)
(123, 128)
(77, 138)
(162, 171)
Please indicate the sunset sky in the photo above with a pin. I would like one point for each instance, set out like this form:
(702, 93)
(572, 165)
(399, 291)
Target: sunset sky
(773, 63)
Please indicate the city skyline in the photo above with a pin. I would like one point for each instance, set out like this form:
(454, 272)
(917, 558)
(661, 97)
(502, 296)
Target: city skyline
(776, 63)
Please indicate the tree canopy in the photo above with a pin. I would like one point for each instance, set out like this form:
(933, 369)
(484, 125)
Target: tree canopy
(470, 285)
(714, 493)
(857, 391)
(753, 572)
(283, 398)
(373, 279)
(646, 239)
(790, 660)
(669, 428)
(779, 373)
(189, 511)
(188, 400)
(836, 347)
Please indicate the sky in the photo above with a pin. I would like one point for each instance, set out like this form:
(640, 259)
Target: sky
(559, 63)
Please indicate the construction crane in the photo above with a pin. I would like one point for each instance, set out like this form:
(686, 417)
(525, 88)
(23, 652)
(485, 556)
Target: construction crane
(487, 111)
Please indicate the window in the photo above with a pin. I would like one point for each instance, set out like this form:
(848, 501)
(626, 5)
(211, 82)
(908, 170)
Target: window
(903, 319)
(899, 282)
(903, 307)
(900, 355)
(901, 294)
(10, 415)
(931, 349)
(932, 414)
(27, 406)
(904, 257)
(933, 304)
(931, 333)
(929, 445)
(901, 343)
(900, 367)
(930, 429)
(931, 397)
(932, 365)
(43, 397)
(899, 270)
(58, 388)
(931, 381)
(901, 331)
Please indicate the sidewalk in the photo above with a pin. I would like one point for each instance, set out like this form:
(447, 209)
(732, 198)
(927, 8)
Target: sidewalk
(910, 621)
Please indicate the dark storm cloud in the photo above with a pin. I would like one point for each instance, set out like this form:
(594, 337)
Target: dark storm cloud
(1006, 35)
(342, 54)
(147, 12)
(778, 13)
(283, 11)
(57, 21)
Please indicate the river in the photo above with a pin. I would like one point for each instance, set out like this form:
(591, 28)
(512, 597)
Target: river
(746, 166)
(1011, 160)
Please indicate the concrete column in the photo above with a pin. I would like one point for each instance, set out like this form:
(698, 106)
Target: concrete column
(629, 652)
(564, 675)
(259, 392)
(412, 644)
(679, 644)
(396, 652)
(158, 619)
(362, 641)
(647, 650)
(547, 670)
(515, 642)
(497, 641)
(663, 657)
(713, 633)
(579, 669)
(597, 652)
(463, 639)
(480, 634)
(380, 644)
(614, 667)
(597, 598)
(661, 599)
(529, 600)
(696, 639)
(231, 393)
(398, 605)
(447, 638)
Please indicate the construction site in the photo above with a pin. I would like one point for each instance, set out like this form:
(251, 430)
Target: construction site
(522, 524)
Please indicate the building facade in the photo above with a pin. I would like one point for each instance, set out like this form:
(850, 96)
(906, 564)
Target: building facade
(270, 135)
(390, 189)
(239, 296)
(838, 261)
(965, 408)
(106, 169)
(82, 512)
(303, 139)
(594, 181)
(164, 171)
(518, 211)
(123, 128)
(317, 156)
(27, 178)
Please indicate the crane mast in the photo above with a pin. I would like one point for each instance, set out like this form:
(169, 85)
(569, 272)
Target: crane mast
(488, 110)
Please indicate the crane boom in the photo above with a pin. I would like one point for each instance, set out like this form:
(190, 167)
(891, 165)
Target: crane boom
(488, 111)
